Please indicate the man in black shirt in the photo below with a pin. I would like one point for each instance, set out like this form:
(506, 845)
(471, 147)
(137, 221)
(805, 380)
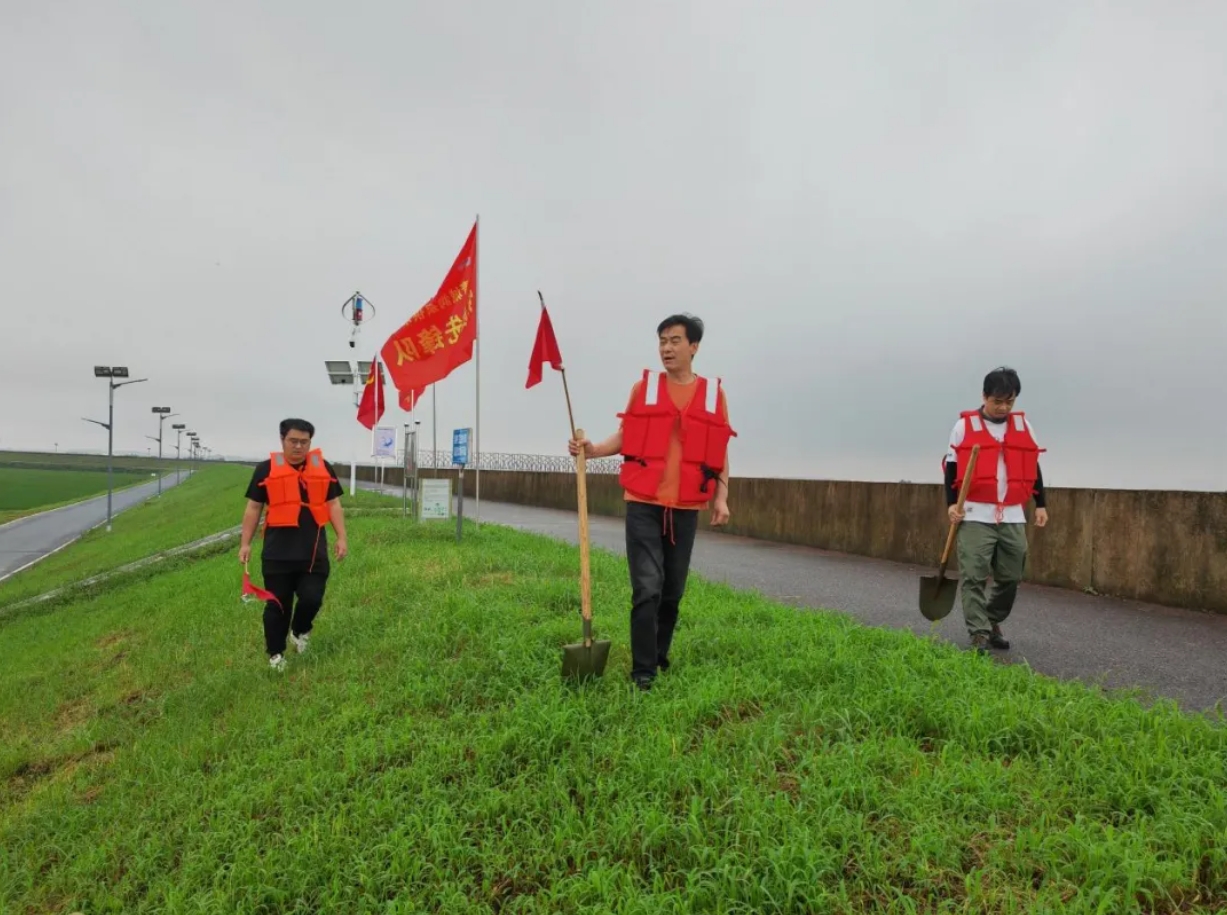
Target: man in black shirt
(303, 494)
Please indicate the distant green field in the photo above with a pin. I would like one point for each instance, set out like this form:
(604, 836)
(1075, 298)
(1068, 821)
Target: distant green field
(52, 460)
(26, 488)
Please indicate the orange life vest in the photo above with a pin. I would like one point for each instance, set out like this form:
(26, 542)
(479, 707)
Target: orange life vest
(1021, 459)
(285, 501)
(647, 427)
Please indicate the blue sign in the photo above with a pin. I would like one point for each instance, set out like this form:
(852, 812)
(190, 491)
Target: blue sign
(460, 446)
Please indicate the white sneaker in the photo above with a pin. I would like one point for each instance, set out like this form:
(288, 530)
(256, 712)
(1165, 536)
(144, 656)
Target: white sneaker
(300, 641)
(277, 662)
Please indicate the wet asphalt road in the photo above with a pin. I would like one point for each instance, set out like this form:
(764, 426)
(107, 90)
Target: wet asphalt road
(27, 539)
(1169, 653)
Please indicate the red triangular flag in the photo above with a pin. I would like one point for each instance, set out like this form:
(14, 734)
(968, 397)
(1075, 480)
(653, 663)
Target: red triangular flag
(545, 349)
(251, 592)
(370, 409)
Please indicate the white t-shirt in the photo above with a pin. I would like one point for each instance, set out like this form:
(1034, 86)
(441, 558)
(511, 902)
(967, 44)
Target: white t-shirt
(987, 511)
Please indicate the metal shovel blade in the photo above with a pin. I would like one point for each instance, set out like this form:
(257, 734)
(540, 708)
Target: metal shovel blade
(584, 661)
(937, 596)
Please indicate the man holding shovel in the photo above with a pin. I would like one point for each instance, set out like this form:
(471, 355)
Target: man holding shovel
(673, 439)
(992, 537)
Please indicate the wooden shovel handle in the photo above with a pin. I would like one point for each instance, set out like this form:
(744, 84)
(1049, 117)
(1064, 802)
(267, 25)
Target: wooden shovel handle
(585, 571)
(971, 469)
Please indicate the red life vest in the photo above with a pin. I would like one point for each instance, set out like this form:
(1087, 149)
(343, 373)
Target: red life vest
(1021, 459)
(647, 427)
(285, 501)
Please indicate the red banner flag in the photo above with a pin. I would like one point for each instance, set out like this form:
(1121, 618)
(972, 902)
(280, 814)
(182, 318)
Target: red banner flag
(545, 349)
(439, 337)
(371, 407)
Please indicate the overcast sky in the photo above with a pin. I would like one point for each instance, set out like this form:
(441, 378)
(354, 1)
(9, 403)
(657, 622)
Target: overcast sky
(871, 204)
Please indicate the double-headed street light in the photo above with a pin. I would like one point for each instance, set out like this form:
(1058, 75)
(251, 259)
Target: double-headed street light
(163, 415)
(178, 427)
(110, 373)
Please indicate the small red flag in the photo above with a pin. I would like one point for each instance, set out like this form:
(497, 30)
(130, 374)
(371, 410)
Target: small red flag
(251, 592)
(371, 407)
(545, 349)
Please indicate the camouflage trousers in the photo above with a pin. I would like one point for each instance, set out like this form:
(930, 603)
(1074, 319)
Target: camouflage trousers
(997, 550)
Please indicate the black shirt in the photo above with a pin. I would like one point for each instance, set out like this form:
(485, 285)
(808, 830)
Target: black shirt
(294, 544)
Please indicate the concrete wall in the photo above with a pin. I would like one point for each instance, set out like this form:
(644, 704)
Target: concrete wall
(1162, 547)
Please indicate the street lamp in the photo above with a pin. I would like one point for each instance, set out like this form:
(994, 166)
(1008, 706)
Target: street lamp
(342, 372)
(110, 373)
(178, 427)
(163, 415)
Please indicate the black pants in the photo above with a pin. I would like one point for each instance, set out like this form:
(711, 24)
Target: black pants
(658, 546)
(287, 580)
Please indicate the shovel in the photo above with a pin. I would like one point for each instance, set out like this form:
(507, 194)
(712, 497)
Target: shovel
(584, 660)
(937, 591)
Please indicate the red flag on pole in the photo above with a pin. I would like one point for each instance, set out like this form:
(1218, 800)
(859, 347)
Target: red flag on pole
(371, 407)
(440, 335)
(545, 349)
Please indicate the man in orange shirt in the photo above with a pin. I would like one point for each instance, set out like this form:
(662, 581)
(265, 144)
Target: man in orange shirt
(673, 439)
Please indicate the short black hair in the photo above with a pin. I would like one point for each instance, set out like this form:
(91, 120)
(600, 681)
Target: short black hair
(1002, 382)
(693, 326)
(300, 424)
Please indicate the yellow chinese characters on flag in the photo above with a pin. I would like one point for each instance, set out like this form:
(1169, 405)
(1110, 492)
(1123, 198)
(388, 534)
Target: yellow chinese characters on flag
(439, 337)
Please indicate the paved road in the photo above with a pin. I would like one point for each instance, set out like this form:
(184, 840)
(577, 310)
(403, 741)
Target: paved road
(27, 539)
(1178, 654)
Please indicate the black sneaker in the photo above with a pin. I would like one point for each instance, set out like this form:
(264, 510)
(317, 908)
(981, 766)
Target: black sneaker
(643, 683)
(979, 643)
(997, 640)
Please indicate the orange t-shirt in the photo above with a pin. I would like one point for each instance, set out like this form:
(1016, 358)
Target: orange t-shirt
(670, 483)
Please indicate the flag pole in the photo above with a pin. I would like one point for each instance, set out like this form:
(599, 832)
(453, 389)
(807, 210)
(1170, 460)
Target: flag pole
(375, 374)
(477, 343)
(434, 431)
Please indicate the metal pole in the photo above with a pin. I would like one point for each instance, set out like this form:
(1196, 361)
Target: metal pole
(178, 442)
(353, 466)
(434, 432)
(477, 342)
(460, 504)
(110, 445)
(417, 478)
(161, 419)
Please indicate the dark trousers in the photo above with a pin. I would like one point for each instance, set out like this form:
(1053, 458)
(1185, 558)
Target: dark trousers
(287, 581)
(658, 546)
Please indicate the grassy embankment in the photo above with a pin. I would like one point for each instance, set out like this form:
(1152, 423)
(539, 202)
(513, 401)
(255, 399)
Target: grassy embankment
(424, 756)
(208, 502)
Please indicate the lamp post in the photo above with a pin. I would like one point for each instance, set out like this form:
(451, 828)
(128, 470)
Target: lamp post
(343, 372)
(110, 373)
(163, 415)
(178, 427)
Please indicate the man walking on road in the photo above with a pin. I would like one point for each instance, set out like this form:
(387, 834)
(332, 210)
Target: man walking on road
(303, 494)
(674, 442)
(992, 536)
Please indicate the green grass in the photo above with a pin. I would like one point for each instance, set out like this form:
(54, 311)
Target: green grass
(205, 503)
(25, 491)
(425, 757)
(54, 460)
